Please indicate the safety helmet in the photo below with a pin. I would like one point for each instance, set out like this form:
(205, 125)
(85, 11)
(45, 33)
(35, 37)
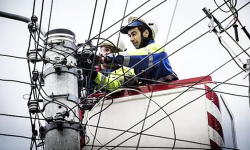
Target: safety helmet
(135, 22)
(120, 47)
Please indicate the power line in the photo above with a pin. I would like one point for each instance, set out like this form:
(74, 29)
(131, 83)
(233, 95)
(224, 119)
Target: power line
(9, 80)
(19, 136)
(121, 19)
(155, 147)
(140, 16)
(93, 17)
(17, 116)
(13, 56)
(109, 76)
(157, 72)
(107, 128)
(93, 64)
(181, 85)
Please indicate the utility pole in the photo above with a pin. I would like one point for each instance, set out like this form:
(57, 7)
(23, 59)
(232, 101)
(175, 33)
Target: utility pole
(61, 131)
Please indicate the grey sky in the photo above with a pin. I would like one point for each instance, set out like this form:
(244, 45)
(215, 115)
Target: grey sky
(198, 59)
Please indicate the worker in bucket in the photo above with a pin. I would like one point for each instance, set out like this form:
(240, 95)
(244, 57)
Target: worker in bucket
(149, 60)
(113, 75)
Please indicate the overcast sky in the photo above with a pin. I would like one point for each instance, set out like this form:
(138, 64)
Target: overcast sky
(197, 59)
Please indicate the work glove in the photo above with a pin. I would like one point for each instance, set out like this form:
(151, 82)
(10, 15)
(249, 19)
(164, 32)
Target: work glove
(105, 59)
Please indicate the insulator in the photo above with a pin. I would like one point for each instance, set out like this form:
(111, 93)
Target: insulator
(59, 119)
(35, 75)
(33, 106)
(32, 27)
(57, 65)
(32, 57)
(33, 86)
(81, 77)
(34, 18)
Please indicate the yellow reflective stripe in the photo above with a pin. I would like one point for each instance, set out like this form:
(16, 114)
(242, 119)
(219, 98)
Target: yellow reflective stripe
(100, 80)
(152, 47)
(155, 47)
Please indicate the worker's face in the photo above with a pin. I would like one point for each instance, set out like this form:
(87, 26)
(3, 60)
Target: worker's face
(105, 50)
(135, 36)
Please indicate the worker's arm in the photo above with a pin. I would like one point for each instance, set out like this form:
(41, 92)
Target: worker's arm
(131, 58)
(115, 79)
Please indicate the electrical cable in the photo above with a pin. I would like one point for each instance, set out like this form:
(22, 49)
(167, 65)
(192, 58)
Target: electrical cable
(140, 16)
(93, 17)
(148, 147)
(31, 145)
(219, 38)
(41, 16)
(12, 135)
(195, 88)
(17, 116)
(220, 8)
(160, 82)
(156, 7)
(88, 84)
(107, 128)
(13, 56)
(128, 15)
(50, 15)
(95, 138)
(157, 136)
(120, 20)
(110, 69)
(193, 100)
(157, 72)
(8, 80)
(117, 44)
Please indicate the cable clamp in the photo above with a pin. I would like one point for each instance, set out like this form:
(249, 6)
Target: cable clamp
(69, 96)
(33, 56)
(60, 126)
(32, 25)
(247, 67)
(212, 21)
(33, 106)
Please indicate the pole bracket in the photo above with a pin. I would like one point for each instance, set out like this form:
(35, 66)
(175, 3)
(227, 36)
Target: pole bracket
(55, 125)
(64, 69)
(69, 96)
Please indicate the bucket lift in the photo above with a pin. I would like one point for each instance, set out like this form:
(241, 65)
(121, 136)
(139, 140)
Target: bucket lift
(201, 118)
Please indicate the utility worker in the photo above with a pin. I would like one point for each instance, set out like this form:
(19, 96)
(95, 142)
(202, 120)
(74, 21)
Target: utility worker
(115, 73)
(142, 35)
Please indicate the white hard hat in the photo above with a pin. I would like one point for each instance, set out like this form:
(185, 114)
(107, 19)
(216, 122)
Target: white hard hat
(134, 22)
(120, 46)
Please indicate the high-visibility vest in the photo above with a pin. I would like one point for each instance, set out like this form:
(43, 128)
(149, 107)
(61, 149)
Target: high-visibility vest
(154, 53)
(114, 79)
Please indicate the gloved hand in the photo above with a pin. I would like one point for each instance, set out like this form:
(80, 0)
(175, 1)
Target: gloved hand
(104, 59)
